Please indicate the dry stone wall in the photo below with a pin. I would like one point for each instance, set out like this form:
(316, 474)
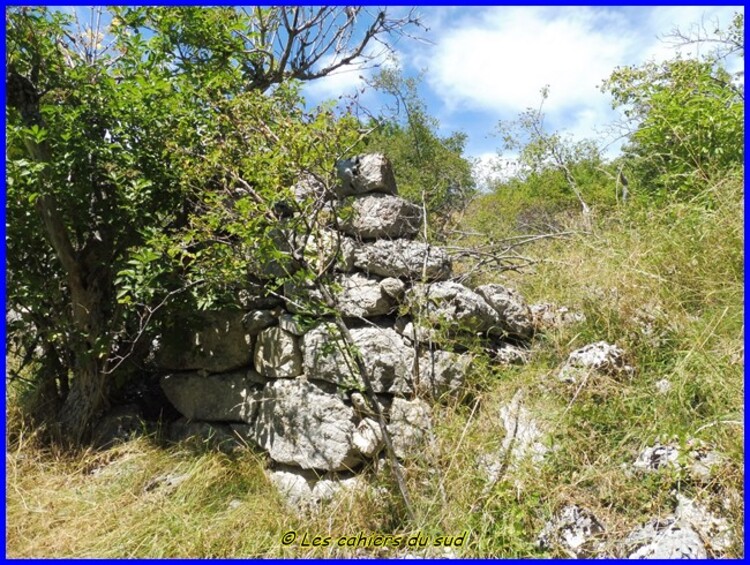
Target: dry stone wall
(288, 384)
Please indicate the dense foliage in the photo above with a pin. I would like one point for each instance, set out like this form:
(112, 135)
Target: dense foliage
(685, 116)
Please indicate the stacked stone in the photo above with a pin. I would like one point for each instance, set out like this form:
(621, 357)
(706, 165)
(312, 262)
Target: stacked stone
(292, 389)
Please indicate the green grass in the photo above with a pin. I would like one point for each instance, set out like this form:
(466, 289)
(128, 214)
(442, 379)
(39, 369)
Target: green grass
(666, 284)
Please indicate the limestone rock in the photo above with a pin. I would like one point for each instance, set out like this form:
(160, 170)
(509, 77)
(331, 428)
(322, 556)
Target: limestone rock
(523, 434)
(714, 530)
(410, 422)
(508, 354)
(356, 296)
(656, 457)
(395, 288)
(415, 332)
(386, 357)
(374, 216)
(515, 315)
(215, 341)
(699, 463)
(305, 491)
(228, 397)
(277, 354)
(548, 316)
(290, 324)
(453, 306)
(365, 173)
(361, 296)
(664, 539)
(442, 372)
(256, 296)
(600, 357)
(574, 529)
(368, 438)
(308, 188)
(401, 258)
(306, 425)
(324, 247)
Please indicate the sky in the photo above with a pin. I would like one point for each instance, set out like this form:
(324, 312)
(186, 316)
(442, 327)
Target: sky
(481, 65)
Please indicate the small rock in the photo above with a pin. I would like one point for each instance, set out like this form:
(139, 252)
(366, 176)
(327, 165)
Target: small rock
(549, 316)
(166, 482)
(393, 287)
(387, 358)
(308, 187)
(120, 424)
(453, 306)
(600, 357)
(509, 354)
(234, 504)
(664, 539)
(699, 463)
(289, 324)
(663, 386)
(523, 433)
(258, 320)
(368, 438)
(574, 529)
(442, 372)
(657, 457)
(305, 491)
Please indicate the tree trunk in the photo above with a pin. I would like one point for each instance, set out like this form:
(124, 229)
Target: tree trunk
(89, 280)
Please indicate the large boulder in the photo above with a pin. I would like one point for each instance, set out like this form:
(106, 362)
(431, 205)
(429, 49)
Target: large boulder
(374, 216)
(454, 307)
(278, 354)
(307, 425)
(402, 258)
(365, 173)
(212, 341)
(515, 315)
(229, 397)
(387, 358)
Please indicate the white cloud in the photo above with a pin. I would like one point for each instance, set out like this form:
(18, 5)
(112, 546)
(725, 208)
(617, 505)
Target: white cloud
(494, 61)
(501, 61)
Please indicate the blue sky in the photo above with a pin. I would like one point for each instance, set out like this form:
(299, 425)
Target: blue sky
(484, 64)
